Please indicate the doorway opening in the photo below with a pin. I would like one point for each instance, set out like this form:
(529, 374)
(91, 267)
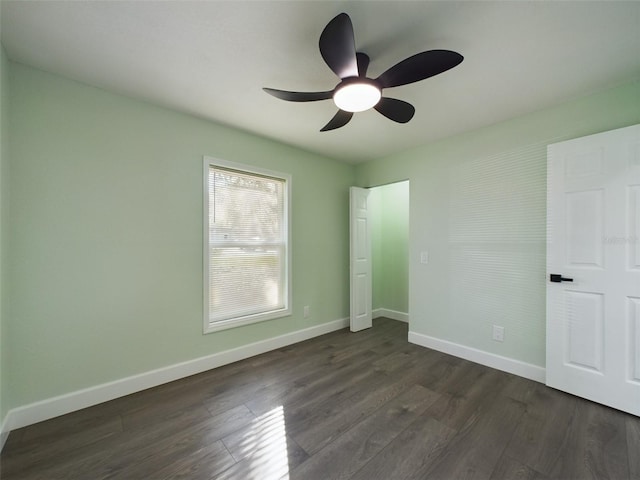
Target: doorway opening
(389, 206)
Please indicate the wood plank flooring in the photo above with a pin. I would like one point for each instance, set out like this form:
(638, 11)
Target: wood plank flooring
(364, 406)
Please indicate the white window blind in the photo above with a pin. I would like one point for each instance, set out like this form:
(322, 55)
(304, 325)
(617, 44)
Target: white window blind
(247, 246)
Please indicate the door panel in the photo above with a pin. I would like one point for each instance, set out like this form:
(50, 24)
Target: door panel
(361, 295)
(634, 338)
(633, 252)
(585, 321)
(584, 228)
(593, 238)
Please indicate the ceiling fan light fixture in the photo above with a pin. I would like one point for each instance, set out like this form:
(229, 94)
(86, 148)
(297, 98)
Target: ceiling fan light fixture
(357, 96)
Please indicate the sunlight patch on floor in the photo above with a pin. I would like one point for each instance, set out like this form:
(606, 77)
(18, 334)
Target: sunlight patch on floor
(267, 442)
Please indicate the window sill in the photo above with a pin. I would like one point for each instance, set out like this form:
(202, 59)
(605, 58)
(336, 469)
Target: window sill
(219, 325)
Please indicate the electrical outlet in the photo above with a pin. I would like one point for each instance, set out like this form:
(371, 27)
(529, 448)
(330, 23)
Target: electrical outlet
(306, 311)
(424, 257)
(498, 333)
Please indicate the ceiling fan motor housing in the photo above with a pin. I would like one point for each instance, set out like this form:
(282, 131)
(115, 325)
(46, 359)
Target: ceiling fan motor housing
(357, 94)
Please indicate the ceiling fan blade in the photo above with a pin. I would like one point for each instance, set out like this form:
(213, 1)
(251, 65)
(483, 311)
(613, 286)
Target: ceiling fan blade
(395, 110)
(340, 119)
(363, 63)
(419, 66)
(299, 96)
(338, 47)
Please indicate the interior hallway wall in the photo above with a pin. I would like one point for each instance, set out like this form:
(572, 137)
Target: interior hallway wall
(478, 206)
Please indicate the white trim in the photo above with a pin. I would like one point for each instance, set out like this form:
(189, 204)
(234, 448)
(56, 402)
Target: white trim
(4, 432)
(522, 369)
(392, 314)
(70, 402)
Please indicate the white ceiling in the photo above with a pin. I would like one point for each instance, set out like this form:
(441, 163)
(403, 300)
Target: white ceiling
(212, 58)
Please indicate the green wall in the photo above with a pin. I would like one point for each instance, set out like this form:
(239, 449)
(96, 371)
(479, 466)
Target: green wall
(375, 199)
(106, 236)
(478, 206)
(4, 160)
(390, 246)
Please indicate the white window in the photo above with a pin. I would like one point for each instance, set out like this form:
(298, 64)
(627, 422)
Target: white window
(246, 245)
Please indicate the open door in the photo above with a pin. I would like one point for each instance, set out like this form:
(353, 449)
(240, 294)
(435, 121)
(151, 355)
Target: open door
(593, 268)
(360, 259)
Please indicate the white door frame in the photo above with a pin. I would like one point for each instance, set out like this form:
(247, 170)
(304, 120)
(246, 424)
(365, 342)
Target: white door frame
(361, 287)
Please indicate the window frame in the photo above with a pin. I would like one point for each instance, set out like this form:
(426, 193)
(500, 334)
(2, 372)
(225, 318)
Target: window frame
(210, 326)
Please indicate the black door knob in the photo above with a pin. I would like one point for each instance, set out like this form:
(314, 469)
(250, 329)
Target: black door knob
(554, 277)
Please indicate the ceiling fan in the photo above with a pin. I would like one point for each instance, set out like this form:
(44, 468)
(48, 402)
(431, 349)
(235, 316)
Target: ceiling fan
(356, 92)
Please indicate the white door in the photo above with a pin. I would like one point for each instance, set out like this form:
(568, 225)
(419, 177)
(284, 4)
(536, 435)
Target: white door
(360, 263)
(593, 301)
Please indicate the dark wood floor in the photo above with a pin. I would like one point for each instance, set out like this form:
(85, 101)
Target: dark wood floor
(364, 405)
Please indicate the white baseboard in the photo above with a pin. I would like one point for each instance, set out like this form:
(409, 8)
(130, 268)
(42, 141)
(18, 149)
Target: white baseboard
(4, 432)
(70, 402)
(392, 314)
(522, 369)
